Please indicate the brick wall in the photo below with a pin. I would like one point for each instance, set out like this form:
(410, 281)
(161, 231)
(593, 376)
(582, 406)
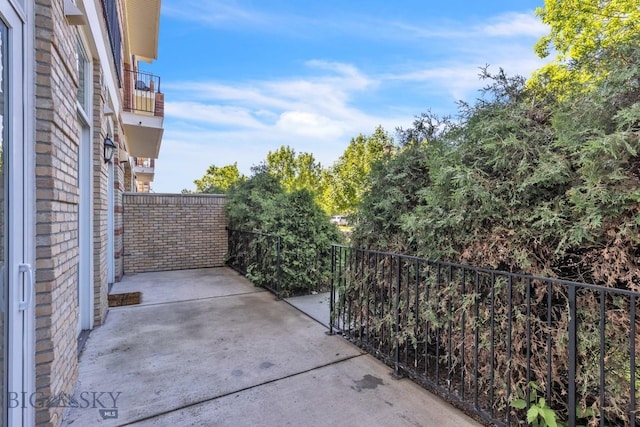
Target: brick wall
(118, 226)
(57, 197)
(57, 204)
(128, 177)
(173, 231)
(100, 202)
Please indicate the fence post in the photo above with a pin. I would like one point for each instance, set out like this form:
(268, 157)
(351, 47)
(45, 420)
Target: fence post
(633, 411)
(278, 269)
(229, 246)
(573, 356)
(396, 355)
(332, 293)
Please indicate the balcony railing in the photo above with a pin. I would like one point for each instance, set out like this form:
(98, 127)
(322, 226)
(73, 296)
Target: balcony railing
(143, 162)
(142, 93)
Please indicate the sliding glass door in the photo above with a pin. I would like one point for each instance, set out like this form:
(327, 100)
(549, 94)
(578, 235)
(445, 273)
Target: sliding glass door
(16, 274)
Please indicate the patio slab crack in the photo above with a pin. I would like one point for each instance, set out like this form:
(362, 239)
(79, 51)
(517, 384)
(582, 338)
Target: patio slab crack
(241, 390)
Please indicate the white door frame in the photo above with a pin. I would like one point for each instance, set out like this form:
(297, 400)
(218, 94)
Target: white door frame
(111, 268)
(20, 213)
(85, 186)
(85, 231)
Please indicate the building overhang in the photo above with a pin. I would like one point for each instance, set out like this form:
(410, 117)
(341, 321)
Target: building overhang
(142, 20)
(144, 176)
(143, 134)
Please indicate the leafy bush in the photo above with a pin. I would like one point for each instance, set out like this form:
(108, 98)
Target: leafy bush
(528, 183)
(520, 184)
(261, 204)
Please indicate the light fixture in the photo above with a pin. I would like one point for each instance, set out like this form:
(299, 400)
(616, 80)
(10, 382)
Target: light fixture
(109, 148)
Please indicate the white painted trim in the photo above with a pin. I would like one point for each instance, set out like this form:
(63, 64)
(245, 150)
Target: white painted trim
(20, 257)
(85, 232)
(111, 265)
(85, 210)
(14, 218)
(29, 192)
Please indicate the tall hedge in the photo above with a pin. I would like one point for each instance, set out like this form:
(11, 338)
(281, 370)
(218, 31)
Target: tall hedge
(524, 182)
(521, 184)
(261, 204)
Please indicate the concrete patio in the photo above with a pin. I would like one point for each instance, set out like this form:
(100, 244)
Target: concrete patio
(207, 348)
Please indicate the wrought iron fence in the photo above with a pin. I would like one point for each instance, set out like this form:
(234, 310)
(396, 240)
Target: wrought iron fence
(484, 338)
(251, 252)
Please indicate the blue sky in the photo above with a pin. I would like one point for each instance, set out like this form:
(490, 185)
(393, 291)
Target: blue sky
(243, 77)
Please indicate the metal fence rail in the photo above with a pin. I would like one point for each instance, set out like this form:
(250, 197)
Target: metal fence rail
(484, 337)
(251, 252)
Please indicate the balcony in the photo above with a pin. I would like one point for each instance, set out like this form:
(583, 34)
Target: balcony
(143, 114)
(144, 169)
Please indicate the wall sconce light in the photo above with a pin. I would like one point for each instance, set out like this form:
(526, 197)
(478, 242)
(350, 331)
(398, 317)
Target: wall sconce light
(109, 149)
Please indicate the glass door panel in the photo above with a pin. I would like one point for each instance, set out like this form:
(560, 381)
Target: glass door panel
(4, 297)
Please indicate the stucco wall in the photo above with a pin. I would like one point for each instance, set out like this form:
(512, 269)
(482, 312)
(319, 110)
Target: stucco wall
(173, 231)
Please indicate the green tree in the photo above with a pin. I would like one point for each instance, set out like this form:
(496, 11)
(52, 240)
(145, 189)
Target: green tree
(348, 178)
(218, 179)
(580, 30)
(295, 171)
(583, 28)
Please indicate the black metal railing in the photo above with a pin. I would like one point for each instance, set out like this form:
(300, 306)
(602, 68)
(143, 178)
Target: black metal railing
(257, 256)
(484, 338)
(145, 87)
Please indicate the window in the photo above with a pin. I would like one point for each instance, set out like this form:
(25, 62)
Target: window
(84, 77)
(110, 8)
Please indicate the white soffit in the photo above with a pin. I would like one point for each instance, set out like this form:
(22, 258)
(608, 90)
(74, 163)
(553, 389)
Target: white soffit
(143, 26)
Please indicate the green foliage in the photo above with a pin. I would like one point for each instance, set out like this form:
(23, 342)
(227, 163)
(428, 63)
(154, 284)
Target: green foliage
(518, 184)
(262, 204)
(347, 180)
(580, 32)
(218, 179)
(581, 28)
(338, 189)
(548, 185)
(295, 171)
(538, 414)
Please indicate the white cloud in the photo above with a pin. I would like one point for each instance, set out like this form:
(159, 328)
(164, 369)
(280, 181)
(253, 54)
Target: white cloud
(349, 77)
(514, 25)
(213, 114)
(319, 106)
(309, 124)
(506, 25)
